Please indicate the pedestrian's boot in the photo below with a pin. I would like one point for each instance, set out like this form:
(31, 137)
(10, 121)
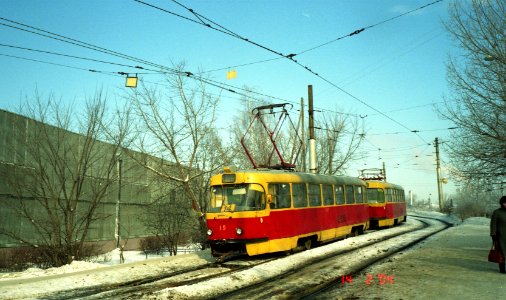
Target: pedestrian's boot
(502, 268)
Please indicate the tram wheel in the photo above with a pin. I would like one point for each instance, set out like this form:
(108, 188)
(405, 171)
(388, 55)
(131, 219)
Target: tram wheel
(307, 244)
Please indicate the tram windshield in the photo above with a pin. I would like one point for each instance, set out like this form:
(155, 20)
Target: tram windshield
(375, 196)
(239, 197)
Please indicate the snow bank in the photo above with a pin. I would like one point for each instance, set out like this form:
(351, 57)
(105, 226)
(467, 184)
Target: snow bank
(434, 214)
(477, 221)
(75, 266)
(108, 259)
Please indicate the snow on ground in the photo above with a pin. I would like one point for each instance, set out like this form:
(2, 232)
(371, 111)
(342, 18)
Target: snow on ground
(75, 266)
(107, 259)
(449, 265)
(217, 286)
(34, 283)
(434, 214)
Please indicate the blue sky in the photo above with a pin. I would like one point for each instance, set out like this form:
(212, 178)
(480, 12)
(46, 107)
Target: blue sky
(396, 67)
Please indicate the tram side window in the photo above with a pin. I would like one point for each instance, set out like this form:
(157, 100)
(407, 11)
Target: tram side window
(299, 194)
(328, 198)
(388, 197)
(280, 195)
(350, 199)
(375, 196)
(339, 192)
(403, 196)
(359, 196)
(216, 199)
(315, 197)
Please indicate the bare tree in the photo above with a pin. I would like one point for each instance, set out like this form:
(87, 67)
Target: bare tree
(477, 104)
(169, 218)
(338, 142)
(59, 178)
(178, 125)
(256, 137)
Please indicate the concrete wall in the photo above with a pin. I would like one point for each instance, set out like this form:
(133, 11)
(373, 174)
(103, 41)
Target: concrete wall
(137, 190)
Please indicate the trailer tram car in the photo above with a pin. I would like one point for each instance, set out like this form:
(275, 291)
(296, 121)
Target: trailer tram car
(387, 204)
(264, 211)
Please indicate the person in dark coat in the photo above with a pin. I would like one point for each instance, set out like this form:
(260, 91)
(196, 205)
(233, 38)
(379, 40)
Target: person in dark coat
(498, 229)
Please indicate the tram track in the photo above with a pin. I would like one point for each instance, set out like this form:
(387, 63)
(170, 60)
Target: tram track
(330, 271)
(254, 277)
(288, 277)
(185, 276)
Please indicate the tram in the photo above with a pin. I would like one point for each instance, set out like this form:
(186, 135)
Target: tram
(263, 211)
(387, 204)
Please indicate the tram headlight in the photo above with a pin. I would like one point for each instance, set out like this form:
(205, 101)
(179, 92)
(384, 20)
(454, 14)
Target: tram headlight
(238, 231)
(209, 232)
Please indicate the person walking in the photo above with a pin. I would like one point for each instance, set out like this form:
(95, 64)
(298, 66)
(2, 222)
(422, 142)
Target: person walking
(498, 229)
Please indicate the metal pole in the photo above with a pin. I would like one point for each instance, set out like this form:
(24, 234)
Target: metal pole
(312, 141)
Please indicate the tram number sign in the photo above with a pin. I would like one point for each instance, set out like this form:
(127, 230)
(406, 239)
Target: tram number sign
(228, 208)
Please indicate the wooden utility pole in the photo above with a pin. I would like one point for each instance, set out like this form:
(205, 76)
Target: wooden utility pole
(312, 141)
(438, 173)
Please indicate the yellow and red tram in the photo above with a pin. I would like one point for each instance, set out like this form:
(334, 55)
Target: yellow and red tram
(387, 204)
(263, 211)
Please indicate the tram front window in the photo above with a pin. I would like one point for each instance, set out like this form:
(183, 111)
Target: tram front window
(375, 196)
(240, 197)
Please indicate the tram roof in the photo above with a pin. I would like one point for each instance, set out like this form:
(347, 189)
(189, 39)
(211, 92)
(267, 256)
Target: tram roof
(382, 184)
(292, 176)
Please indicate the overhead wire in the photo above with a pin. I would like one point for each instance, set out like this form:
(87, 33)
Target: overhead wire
(355, 32)
(51, 63)
(112, 73)
(166, 70)
(163, 69)
(289, 56)
(368, 27)
(70, 56)
(62, 38)
(223, 30)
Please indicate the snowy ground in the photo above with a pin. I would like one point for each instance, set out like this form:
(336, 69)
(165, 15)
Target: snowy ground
(450, 265)
(108, 259)
(34, 283)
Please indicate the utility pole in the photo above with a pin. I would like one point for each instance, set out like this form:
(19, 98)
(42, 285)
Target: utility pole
(438, 173)
(384, 172)
(312, 141)
(304, 150)
(118, 203)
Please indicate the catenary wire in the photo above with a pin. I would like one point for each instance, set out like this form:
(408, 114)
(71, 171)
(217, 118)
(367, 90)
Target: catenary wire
(290, 56)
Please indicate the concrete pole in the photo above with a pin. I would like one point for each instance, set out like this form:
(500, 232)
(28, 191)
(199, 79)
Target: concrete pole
(304, 150)
(117, 231)
(312, 141)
